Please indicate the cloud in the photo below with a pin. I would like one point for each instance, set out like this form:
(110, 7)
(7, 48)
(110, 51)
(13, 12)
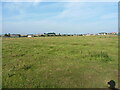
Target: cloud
(72, 11)
(72, 18)
(110, 16)
(86, 12)
(58, 27)
(18, 10)
(36, 2)
(21, 0)
(61, 0)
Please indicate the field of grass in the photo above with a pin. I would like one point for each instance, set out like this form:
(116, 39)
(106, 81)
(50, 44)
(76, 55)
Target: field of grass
(60, 62)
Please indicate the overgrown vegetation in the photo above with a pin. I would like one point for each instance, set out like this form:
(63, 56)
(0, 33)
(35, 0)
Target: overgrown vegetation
(60, 62)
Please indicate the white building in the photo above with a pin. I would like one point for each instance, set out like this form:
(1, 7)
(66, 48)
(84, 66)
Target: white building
(30, 35)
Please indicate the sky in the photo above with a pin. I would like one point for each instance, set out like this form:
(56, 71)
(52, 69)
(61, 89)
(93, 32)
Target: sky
(59, 17)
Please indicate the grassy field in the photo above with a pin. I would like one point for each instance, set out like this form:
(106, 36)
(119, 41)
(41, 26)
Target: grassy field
(60, 62)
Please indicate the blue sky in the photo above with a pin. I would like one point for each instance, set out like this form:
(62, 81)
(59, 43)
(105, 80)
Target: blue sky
(59, 17)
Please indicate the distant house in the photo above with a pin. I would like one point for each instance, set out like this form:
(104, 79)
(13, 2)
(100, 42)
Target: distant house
(87, 34)
(114, 33)
(50, 34)
(102, 33)
(23, 35)
(15, 35)
(84, 34)
(30, 35)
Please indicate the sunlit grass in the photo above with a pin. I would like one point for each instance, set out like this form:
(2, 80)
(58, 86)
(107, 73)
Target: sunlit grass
(60, 62)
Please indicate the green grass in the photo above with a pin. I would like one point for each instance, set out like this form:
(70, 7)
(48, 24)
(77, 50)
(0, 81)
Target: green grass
(60, 62)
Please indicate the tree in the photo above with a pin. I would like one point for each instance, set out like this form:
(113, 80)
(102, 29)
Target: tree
(8, 34)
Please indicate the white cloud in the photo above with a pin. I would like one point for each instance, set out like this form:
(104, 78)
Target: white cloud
(21, 8)
(72, 11)
(80, 11)
(110, 16)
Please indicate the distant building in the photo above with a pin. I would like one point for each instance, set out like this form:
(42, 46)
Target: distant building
(80, 35)
(23, 35)
(84, 34)
(15, 35)
(102, 33)
(92, 34)
(50, 34)
(30, 35)
(87, 34)
(114, 33)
